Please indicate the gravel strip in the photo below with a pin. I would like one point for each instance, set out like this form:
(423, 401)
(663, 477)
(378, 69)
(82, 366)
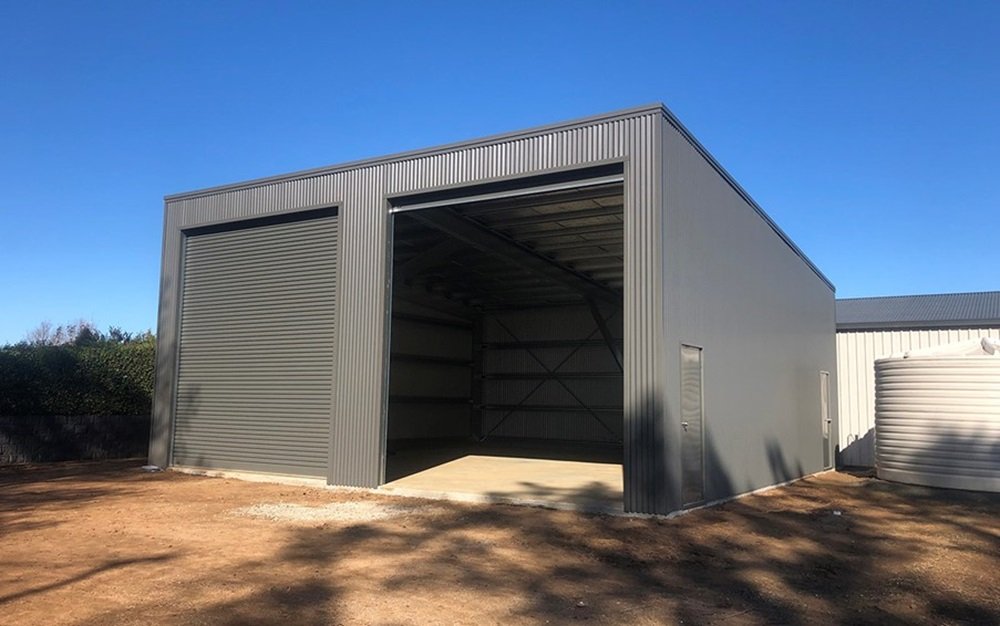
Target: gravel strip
(333, 512)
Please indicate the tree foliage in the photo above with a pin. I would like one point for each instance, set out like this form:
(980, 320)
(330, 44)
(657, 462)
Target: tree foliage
(78, 370)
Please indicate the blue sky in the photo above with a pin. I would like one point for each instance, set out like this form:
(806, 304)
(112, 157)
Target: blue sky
(870, 131)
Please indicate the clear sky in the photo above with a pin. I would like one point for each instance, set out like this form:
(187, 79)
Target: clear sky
(870, 131)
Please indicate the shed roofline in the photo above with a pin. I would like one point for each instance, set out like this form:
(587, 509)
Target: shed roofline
(919, 295)
(918, 325)
(676, 123)
(502, 137)
(424, 152)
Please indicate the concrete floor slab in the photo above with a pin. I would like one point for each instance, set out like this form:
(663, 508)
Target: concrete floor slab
(565, 484)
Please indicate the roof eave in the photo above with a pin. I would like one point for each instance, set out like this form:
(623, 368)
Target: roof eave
(676, 123)
(423, 152)
(935, 325)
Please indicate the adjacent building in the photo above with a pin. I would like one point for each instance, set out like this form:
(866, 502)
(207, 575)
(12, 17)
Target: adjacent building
(873, 328)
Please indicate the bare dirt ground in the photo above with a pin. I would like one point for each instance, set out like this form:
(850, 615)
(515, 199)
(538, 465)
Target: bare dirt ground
(106, 543)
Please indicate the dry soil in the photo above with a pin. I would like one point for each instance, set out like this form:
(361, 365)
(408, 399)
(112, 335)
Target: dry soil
(107, 543)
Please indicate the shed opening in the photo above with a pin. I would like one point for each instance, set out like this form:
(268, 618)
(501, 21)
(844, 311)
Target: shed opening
(506, 365)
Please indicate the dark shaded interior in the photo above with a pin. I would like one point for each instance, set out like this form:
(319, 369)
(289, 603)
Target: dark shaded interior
(507, 329)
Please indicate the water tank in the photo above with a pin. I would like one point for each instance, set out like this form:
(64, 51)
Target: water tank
(937, 420)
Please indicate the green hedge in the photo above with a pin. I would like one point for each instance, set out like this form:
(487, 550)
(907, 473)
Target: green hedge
(102, 377)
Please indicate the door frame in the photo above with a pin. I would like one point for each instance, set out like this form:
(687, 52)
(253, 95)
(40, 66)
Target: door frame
(701, 400)
(826, 420)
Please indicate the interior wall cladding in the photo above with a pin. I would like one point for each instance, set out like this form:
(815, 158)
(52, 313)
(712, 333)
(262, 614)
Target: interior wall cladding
(555, 324)
(412, 381)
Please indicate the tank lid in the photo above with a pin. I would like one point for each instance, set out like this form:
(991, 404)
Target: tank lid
(985, 346)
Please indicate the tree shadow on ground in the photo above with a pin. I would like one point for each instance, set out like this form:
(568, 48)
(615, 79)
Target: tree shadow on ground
(96, 570)
(831, 549)
(787, 559)
(26, 490)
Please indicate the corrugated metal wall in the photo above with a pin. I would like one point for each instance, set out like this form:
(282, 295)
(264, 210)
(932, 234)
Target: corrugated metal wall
(938, 421)
(530, 361)
(856, 354)
(430, 377)
(360, 192)
(765, 321)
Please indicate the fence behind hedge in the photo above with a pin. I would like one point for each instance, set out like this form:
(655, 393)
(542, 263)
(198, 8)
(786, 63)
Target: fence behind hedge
(76, 401)
(48, 438)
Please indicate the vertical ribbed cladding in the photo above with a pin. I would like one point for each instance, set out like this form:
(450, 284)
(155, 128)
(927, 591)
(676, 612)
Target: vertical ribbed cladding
(357, 429)
(161, 424)
(356, 433)
(644, 465)
(937, 421)
(856, 355)
(589, 376)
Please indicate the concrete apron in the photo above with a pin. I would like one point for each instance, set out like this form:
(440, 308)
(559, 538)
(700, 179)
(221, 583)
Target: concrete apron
(393, 489)
(566, 485)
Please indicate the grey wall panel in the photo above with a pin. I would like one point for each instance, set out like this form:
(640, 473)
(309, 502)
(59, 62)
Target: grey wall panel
(578, 426)
(413, 382)
(427, 421)
(257, 334)
(360, 191)
(418, 338)
(580, 368)
(764, 317)
(856, 355)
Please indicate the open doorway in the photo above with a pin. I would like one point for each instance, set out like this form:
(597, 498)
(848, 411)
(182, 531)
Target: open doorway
(506, 368)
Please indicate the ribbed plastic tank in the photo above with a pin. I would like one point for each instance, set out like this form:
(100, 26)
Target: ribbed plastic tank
(937, 421)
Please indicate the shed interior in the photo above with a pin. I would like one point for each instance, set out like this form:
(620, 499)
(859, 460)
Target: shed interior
(506, 344)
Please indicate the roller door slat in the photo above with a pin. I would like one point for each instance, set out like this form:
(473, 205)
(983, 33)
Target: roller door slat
(256, 361)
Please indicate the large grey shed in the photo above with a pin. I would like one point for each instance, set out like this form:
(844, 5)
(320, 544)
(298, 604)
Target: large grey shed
(596, 289)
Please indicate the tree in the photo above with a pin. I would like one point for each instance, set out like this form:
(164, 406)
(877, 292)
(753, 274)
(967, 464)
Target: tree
(40, 336)
(81, 332)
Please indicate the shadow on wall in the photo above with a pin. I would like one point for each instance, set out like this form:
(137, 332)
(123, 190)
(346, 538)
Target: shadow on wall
(718, 482)
(784, 558)
(781, 470)
(164, 384)
(859, 452)
(950, 460)
(190, 399)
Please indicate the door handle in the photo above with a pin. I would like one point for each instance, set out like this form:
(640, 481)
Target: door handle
(684, 425)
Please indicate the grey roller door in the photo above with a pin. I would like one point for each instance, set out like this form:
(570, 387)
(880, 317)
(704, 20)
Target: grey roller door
(256, 358)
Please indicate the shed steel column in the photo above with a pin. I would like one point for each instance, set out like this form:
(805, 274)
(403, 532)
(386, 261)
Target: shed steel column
(357, 430)
(649, 486)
